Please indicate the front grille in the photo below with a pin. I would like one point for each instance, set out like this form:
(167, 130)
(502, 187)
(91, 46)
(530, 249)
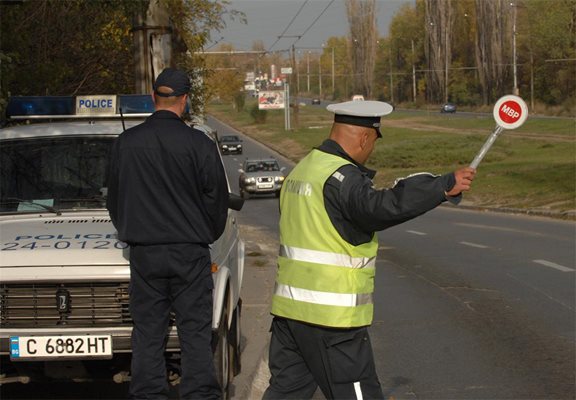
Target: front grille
(265, 179)
(92, 305)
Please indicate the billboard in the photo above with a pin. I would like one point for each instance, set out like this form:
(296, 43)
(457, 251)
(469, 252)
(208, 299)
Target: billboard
(271, 100)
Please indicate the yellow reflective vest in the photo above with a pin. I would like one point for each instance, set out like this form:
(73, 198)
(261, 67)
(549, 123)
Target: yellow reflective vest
(321, 279)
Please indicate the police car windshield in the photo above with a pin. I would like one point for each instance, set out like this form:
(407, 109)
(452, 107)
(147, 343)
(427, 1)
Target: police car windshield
(63, 173)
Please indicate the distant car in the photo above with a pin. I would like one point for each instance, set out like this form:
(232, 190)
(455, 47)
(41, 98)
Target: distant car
(357, 97)
(230, 144)
(448, 108)
(316, 101)
(260, 176)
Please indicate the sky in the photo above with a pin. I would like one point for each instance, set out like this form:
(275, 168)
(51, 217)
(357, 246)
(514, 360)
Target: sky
(314, 20)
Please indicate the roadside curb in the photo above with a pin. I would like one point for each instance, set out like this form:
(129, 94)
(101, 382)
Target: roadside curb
(256, 293)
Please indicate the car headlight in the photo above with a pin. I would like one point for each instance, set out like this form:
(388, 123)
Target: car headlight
(249, 180)
(224, 146)
(278, 179)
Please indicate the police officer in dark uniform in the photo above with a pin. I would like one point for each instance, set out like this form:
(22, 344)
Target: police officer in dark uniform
(329, 215)
(167, 197)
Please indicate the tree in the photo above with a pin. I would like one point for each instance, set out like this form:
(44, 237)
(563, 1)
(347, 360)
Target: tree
(492, 46)
(65, 48)
(226, 77)
(362, 44)
(85, 47)
(439, 21)
(547, 51)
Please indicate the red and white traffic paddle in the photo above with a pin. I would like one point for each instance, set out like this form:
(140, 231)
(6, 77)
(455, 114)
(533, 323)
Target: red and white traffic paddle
(510, 112)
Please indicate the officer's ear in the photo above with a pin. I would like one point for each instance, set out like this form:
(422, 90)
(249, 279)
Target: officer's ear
(364, 134)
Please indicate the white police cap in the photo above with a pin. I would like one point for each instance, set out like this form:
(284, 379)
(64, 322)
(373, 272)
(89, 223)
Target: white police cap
(361, 113)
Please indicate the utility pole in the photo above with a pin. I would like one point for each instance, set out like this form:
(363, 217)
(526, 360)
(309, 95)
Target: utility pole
(515, 89)
(296, 119)
(413, 73)
(308, 71)
(333, 89)
(320, 76)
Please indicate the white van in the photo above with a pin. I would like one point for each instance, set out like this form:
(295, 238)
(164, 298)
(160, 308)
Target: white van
(63, 273)
(357, 97)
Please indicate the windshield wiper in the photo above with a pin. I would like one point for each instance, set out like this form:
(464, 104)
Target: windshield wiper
(100, 199)
(44, 206)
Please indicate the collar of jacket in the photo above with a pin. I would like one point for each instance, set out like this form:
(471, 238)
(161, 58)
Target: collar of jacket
(164, 114)
(331, 147)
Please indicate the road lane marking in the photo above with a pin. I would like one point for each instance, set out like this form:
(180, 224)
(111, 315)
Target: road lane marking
(417, 233)
(500, 228)
(554, 265)
(478, 246)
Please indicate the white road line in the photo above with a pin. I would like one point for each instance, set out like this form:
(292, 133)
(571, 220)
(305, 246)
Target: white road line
(417, 233)
(478, 246)
(554, 265)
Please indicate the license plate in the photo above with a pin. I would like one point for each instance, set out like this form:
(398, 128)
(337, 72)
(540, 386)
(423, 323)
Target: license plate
(265, 186)
(46, 347)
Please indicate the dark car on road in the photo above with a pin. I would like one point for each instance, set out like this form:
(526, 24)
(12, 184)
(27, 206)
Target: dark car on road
(230, 144)
(448, 108)
(260, 176)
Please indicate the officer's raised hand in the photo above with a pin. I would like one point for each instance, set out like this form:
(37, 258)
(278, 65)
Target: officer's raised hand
(464, 178)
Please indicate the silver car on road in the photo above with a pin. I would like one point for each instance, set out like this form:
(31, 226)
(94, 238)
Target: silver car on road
(260, 176)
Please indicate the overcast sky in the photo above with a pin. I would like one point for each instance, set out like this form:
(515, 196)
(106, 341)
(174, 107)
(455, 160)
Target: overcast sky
(314, 20)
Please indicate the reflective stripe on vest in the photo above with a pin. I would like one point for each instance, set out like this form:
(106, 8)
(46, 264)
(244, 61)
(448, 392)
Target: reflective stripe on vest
(322, 257)
(325, 298)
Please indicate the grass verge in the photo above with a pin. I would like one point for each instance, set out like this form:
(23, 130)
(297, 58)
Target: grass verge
(531, 169)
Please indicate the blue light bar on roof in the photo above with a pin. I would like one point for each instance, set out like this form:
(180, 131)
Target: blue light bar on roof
(40, 105)
(99, 106)
(135, 103)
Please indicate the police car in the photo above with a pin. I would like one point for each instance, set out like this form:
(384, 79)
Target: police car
(64, 275)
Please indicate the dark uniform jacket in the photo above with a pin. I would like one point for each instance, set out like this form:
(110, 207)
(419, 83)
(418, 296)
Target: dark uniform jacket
(357, 210)
(166, 184)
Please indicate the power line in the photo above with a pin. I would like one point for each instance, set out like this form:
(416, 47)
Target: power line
(313, 22)
(290, 24)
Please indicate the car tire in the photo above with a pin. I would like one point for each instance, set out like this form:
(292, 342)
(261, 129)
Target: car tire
(222, 354)
(245, 195)
(277, 194)
(235, 338)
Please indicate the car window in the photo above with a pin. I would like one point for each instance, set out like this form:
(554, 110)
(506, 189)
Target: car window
(64, 172)
(262, 166)
(230, 138)
(271, 166)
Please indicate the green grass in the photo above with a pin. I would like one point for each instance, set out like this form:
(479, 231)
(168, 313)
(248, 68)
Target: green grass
(533, 167)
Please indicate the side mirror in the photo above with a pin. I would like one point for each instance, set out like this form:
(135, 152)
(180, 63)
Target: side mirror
(235, 202)
(283, 169)
(241, 170)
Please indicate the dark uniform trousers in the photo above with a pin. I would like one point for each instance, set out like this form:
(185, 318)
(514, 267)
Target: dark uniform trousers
(303, 357)
(166, 278)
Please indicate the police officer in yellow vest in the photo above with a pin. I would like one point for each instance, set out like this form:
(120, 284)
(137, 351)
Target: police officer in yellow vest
(329, 216)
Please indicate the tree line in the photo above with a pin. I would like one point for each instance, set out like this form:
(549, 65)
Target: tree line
(469, 52)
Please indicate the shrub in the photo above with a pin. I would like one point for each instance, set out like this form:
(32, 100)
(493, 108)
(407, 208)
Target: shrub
(258, 115)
